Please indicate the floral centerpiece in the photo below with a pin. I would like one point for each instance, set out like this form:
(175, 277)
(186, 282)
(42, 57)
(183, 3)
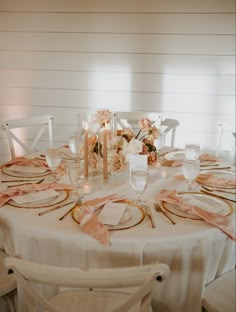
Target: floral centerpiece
(122, 142)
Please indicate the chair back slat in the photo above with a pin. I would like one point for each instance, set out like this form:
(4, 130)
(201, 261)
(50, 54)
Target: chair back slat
(41, 122)
(140, 278)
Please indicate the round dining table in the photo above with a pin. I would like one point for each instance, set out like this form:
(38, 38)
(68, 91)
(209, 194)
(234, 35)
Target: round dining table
(196, 251)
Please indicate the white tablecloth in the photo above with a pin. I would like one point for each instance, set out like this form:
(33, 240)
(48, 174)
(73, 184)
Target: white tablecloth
(195, 251)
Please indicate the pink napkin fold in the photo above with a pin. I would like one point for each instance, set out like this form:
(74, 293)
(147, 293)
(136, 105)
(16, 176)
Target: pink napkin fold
(209, 157)
(171, 163)
(179, 162)
(22, 161)
(221, 222)
(89, 220)
(29, 188)
(210, 179)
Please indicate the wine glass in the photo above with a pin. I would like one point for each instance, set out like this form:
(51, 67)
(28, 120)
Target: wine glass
(75, 142)
(192, 150)
(190, 171)
(75, 174)
(53, 159)
(139, 180)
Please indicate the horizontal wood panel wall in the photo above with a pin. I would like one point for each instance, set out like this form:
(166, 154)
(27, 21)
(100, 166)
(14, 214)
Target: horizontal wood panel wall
(63, 56)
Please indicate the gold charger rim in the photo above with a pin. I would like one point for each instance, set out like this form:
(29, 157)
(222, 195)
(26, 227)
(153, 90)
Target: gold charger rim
(117, 229)
(23, 176)
(218, 171)
(44, 205)
(196, 217)
(174, 152)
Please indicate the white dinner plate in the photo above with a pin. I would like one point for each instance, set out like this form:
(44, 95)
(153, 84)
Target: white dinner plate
(63, 195)
(175, 155)
(204, 201)
(24, 174)
(220, 174)
(131, 217)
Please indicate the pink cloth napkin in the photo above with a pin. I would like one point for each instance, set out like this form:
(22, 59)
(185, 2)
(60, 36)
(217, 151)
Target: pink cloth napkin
(179, 162)
(210, 179)
(221, 222)
(171, 163)
(89, 220)
(29, 188)
(22, 161)
(209, 157)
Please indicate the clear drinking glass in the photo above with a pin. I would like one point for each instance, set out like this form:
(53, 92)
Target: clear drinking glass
(75, 143)
(192, 150)
(53, 158)
(75, 174)
(190, 171)
(139, 181)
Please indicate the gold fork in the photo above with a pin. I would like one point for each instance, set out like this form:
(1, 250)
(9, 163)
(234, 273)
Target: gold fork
(159, 208)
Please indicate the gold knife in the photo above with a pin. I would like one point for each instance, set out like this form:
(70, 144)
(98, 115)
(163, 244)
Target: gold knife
(55, 208)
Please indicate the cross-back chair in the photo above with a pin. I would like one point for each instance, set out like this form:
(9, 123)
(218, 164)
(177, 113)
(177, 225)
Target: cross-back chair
(219, 295)
(226, 139)
(7, 283)
(130, 119)
(93, 289)
(168, 130)
(166, 126)
(13, 129)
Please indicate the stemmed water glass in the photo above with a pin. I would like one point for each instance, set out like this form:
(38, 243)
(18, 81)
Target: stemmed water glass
(75, 174)
(139, 181)
(75, 143)
(190, 171)
(53, 158)
(192, 150)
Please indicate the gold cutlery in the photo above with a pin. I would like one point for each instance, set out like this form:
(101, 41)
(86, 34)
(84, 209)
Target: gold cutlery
(218, 190)
(221, 168)
(78, 203)
(148, 214)
(218, 196)
(159, 208)
(55, 208)
(26, 182)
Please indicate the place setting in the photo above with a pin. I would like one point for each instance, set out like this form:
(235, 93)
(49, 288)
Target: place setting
(197, 206)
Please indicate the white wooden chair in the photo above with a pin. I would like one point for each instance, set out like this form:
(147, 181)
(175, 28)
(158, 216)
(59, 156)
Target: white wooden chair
(88, 290)
(226, 136)
(130, 119)
(219, 295)
(13, 129)
(168, 130)
(166, 126)
(7, 283)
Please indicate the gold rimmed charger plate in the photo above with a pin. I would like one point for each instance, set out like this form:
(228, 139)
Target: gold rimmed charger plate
(132, 216)
(204, 201)
(18, 174)
(221, 174)
(175, 155)
(62, 197)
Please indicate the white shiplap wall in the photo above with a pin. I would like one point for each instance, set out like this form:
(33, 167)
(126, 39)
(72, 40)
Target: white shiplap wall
(175, 57)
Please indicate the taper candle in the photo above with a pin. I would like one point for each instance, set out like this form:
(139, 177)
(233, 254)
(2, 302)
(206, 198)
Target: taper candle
(105, 165)
(85, 125)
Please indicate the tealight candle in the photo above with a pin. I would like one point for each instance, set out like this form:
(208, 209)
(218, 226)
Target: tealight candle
(86, 188)
(164, 174)
(158, 165)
